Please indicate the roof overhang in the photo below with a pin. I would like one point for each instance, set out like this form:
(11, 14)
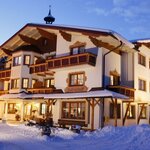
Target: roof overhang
(32, 33)
(90, 94)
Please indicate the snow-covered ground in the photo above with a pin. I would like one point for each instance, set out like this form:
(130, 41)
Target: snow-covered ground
(22, 137)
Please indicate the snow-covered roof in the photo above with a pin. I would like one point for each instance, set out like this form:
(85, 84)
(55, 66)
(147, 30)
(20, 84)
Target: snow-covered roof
(90, 94)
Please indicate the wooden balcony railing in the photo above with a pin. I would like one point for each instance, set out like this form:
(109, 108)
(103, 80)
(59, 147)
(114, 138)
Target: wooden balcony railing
(4, 92)
(5, 74)
(65, 61)
(41, 90)
(38, 68)
(122, 90)
(72, 60)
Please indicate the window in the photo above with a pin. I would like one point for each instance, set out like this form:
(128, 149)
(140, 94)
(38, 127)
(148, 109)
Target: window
(33, 82)
(111, 110)
(15, 83)
(17, 61)
(77, 79)
(73, 110)
(142, 85)
(42, 109)
(11, 108)
(35, 59)
(49, 83)
(141, 59)
(27, 59)
(144, 111)
(77, 50)
(28, 110)
(114, 80)
(25, 83)
(131, 112)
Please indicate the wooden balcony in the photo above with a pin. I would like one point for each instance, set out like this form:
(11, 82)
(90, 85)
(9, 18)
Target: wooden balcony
(122, 90)
(4, 92)
(38, 68)
(41, 90)
(72, 60)
(5, 74)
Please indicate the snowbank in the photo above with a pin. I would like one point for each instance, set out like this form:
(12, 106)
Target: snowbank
(109, 138)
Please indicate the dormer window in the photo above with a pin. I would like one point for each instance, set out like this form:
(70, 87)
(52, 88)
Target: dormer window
(17, 61)
(77, 48)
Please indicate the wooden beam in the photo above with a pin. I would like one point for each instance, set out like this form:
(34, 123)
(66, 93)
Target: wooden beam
(28, 39)
(65, 35)
(102, 112)
(99, 43)
(46, 34)
(139, 117)
(127, 110)
(115, 112)
(92, 117)
(7, 51)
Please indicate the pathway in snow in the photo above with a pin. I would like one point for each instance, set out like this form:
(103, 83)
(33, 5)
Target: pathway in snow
(110, 138)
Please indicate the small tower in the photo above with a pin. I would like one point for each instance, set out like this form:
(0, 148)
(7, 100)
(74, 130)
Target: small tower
(49, 19)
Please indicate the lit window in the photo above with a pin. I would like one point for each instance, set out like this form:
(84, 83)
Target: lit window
(144, 111)
(111, 110)
(27, 60)
(131, 112)
(49, 83)
(76, 79)
(11, 108)
(142, 85)
(28, 110)
(33, 82)
(15, 83)
(141, 59)
(42, 109)
(17, 61)
(73, 110)
(25, 83)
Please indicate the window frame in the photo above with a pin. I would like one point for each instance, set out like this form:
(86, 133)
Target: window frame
(77, 50)
(77, 80)
(16, 61)
(144, 111)
(70, 114)
(141, 59)
(13, 111)
(130, 111)
(23, 83)
(24, 62)
(111, 110)
(41, 108)
(14, 83)
(50, 82)
(142, 84)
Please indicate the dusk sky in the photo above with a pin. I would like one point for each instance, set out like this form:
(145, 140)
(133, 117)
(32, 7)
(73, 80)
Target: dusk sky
(130, 18)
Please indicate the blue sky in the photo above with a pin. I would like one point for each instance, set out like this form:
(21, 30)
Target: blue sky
(130, 18)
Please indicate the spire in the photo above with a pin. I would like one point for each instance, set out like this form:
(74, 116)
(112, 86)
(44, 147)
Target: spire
(49, 19)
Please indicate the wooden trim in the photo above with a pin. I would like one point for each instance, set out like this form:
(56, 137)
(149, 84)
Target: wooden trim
(77, 44)
(24, 59)
(115, 112)
(22, 84)
(92, 118)
(65, 35)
